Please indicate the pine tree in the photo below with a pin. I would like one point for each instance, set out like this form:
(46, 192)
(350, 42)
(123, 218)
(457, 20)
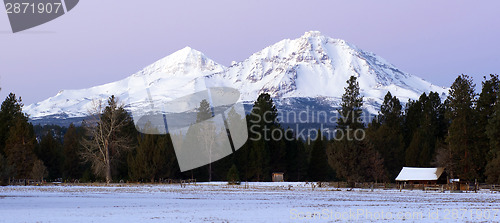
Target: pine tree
(390, 111)
(351, 110)
(50, 153)
(6, 171)
(493, 132)
(233, 175)
(344, 152)
(461, 132)
(297, 159)
(149, 160)
(205, 133)
(242, 158)
(10, 114)
(266, 155)
(485, 110)
(20, 147)
(388, 138)
(433, 127)
(234, 121)
(10, 111)
(128, 135)
(318, 165)
(493, 128)
(204, 111)
(493, 170)
(72, 168)
(259, 161)
(411, 122)
(425, 120)
(352, 156)
(172, 169)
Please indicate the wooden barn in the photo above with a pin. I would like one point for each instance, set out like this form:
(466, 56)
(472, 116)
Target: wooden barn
(278, 177)
(425, 176)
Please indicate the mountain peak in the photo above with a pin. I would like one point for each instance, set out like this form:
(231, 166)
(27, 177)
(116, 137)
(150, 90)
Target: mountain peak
(312, 34)
(184, 54)
(184, 61)
(187, 48)
(186, 51)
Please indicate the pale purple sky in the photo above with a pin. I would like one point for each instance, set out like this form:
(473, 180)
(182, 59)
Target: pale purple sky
(103, 41)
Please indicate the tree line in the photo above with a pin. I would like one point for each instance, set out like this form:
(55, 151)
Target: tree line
(460, 133)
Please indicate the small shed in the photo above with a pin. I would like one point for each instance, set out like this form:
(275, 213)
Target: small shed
(418, 175)
(278, 177)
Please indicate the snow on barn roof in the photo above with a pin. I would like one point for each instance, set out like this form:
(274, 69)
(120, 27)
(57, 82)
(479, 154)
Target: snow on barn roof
(416, 173)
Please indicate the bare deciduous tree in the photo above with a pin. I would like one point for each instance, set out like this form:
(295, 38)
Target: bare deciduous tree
(39, 171)
(105, 140)
(443, 158)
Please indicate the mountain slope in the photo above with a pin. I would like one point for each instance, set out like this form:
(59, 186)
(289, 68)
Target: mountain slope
(308, 71)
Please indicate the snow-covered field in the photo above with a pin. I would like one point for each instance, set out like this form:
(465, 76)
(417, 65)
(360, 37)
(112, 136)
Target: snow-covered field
(261, 202)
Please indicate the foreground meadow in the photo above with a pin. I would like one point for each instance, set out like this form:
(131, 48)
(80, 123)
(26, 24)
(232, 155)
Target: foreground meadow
(256, 202)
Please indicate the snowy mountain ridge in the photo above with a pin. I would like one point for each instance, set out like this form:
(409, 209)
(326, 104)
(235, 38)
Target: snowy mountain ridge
(312, 67)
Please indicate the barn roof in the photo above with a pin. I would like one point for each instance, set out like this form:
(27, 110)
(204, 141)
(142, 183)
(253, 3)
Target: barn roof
(417, 173)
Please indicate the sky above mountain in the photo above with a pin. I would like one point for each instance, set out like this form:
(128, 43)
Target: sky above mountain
(104, 41)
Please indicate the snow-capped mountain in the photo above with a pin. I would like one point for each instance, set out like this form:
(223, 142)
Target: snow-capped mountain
(311, 69)
(318, 66)
(174, 74)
